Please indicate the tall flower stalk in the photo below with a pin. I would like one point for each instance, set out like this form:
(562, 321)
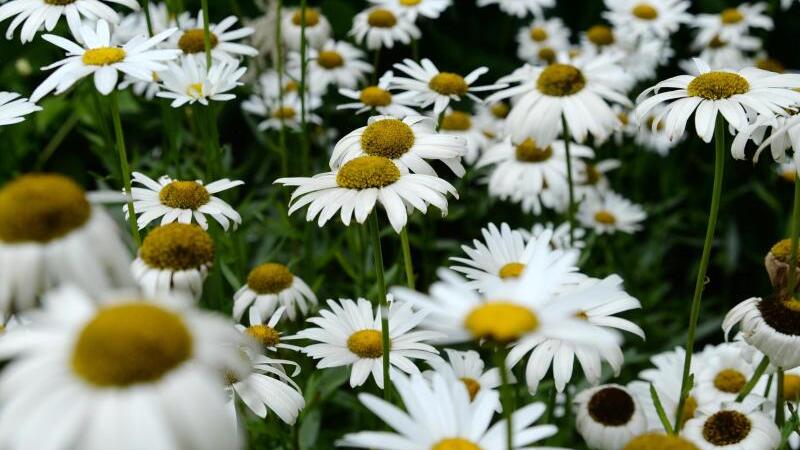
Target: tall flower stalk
(375, 237)
(506, 395)
(125, 171)
(407, 261)
(206, 32)
(279, 70)
(303, 73)
(571, 206)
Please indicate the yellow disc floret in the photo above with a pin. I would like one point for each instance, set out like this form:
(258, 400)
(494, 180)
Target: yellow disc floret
(269, 278)
(538, 34)
(645, 11)
(177, 246)
(367, 172)
(718, 85)
(40, 208)
(447, 83)
(600, 35)
(381, 18)
(129, 344)
(730, 380)
(103, 56)
(500, 110)
(184, 195)
(312, 17)
(472, 385)
(456, 121)
(730, 16)
(528, 151)
(193, 41)
(264, 335)
(791, 387)
(547, 54)
(561, 80)
(60, 2)
(653, 441)
(330, 59)
(500, 321)
(455, 444)
(410, 2)
(374, 96)
(511, 270)
(284, 112)
(726, 428)
(390, 138)
(605, 217)
(366, 343)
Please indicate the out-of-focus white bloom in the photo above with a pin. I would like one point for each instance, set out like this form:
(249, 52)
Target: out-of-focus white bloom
(542, 40)
(732, 24)
(318, 29)
(520, 8)
(223, 40)
(379, 27)
(14, 108)
(651, 18)
(336, 63)
(462, 124)
(609, 212)
(35, 15)
(378, 98)
(191, 82)
(430, 9)
(282, 112)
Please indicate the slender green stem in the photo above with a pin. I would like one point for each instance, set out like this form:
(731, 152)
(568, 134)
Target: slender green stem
(505, 394)
(279, 69)
(716, 196)
(795, 231)
(751, 383)
(303, 73)
(206, 32)
(779, 408)
(571, 207)
(375, 230)
(147, 18)
(125, 171)
(61, 134)
(407, 257)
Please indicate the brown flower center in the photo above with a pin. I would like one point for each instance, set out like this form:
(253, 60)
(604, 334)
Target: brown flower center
(447, 83)
(561, 80)
(330, 59)
(645, 11)
(390, 138)
(718, 85)
(177, 246)
(726, 428)
(184, 195)
(600, 35)
(193, 41)
(381, 18)
(269, 278)
(538, 34)
(612, 407)
(457, 121)
(312, 17)
(528, 151)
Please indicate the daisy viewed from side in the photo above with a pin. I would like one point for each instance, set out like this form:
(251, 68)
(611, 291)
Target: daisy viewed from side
(608, 416)
(378, 98)
(732, 24)
(430, 9)
(520, 8)
(181, 201)
(559, 235)
(349, 334)
(609, 212)
(468, 368)
(271, 286)
(770, 324)
(542, 40)
(223, 40)
(380, 27)
(461, 123)
(279, 112)
(265, 335)
(659, 18)
(14, 108)
(191, 82)
(336, 63)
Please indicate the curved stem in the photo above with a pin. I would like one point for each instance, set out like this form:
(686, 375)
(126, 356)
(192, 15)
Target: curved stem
(125, 171)
(147, 18)
(279, 69)
(206, 33)
(407, 262)
(571, 206)
(751, 383)
(375, 230)
(505, 394)
(716, 195)
(779, 411)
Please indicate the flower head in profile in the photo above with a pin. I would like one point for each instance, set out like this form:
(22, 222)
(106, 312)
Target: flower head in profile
(279, 112)
(430, 9)
(609, 212)
(14, 108)
(381, 27)
(191, 82)
(336, 63)
(271, 286)
(378, 98)
(223, 41)
(542, 40)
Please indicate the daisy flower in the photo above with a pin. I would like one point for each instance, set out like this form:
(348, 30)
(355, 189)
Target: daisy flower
(264, 334)
(783, 137)
(34, 15)
(732, 94)
(650, 441)
(542, 40)
(349, 334)
(161, 19)
(378, 98)
(191, 82)
(724, 373)
(14, 108)
(430, 9)
(428, 86)
(272, 285)
(491, 119)
(460, 123)
(504, 253)
(336, 63)
(734, 426)
(361, 183)
(778, 261)
(146, 373)
(468, 368)
(440, 416)
(592, 179)
(578, 91)
(222, 40)
(174, 257)
(410, 143)
(787, 171)
(318, 29)
(559, 235)
(282, 112)
(181, 201)
(380, 27)
(520, 8)
(651, 135)
(609, 213)
(721, 54)
(50, 234)
(608, 416)
(649, 18)
(138, 58)
(732, 23)
(772, 325)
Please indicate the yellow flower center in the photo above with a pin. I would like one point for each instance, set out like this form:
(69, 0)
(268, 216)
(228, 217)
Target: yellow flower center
(782, 250)
(649, 124)
(547, 54)
(381, 18)
(770, 64)
(605, 217)
(269, 278)
(59, 2)
(284, 112)
(473, 386)
(447, 83)
(366, 343)
(40, 208)
(730, 380)
(330, 59)
(592, 175)
(195, 90)
(623, 118)
(184, 195)
(129, 344)
(791, 387)
(264, 335)
(291, 86)
(561, 80)
(600, 35)
(390, 138)
(689, 408)
(717, 42)
(455, 444)
(645, 11)
(374, 96)
(312, 17)
(538, 34)
(410, 2)
(718, 85)
(789, 175)
(726, 428)
(500, 110)
(528, 151)
(103, 56)
(177, 246)
(367, 172)
(612, 407)
(457, 121)
(501, 321)
(730, 16)
(659, 442)
(511, 270)
(194, 41)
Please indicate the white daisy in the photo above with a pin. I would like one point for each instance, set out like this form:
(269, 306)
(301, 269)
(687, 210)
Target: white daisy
(174, 257)
(379, 99)
(349, 334)
(520, 8)
(724, 373)
(652, 135)
(50, 234)
(318, 29)
(592, 180)
(460, 123)
(430, 9)
(428, 86)
(410, 143)
(222, 40)
(734, 426)
(273, 285)
(13, 108)
(192, 82)
(650, 441)
(468, 368)
(772, 325)
(780, 134)
(578, 90)
(282, 112)
(379, 27)
(559, 235)
(132, 373)
(440, 416)
(34, 15)
(720, 54)
(491, 119)
(648, 18)
(732, 23)
(787, 171)
(181, 201)
(138, 58)
(542, 40)
(732, 94)
(609, 212)
(336, 63)
(161, 19)
(264, 334)
(608, 416)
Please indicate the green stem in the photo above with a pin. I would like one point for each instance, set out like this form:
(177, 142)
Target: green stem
(303, 70)
(123, 165)
(206, 33)
(779, 411)
(147, 18)
(61, 134)
(751, 383)
(279, 69)
(571, 206)
(439, 121)
(505, 394)
(795, 231)
(719, 169)
(374, 229)
(407, 257)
